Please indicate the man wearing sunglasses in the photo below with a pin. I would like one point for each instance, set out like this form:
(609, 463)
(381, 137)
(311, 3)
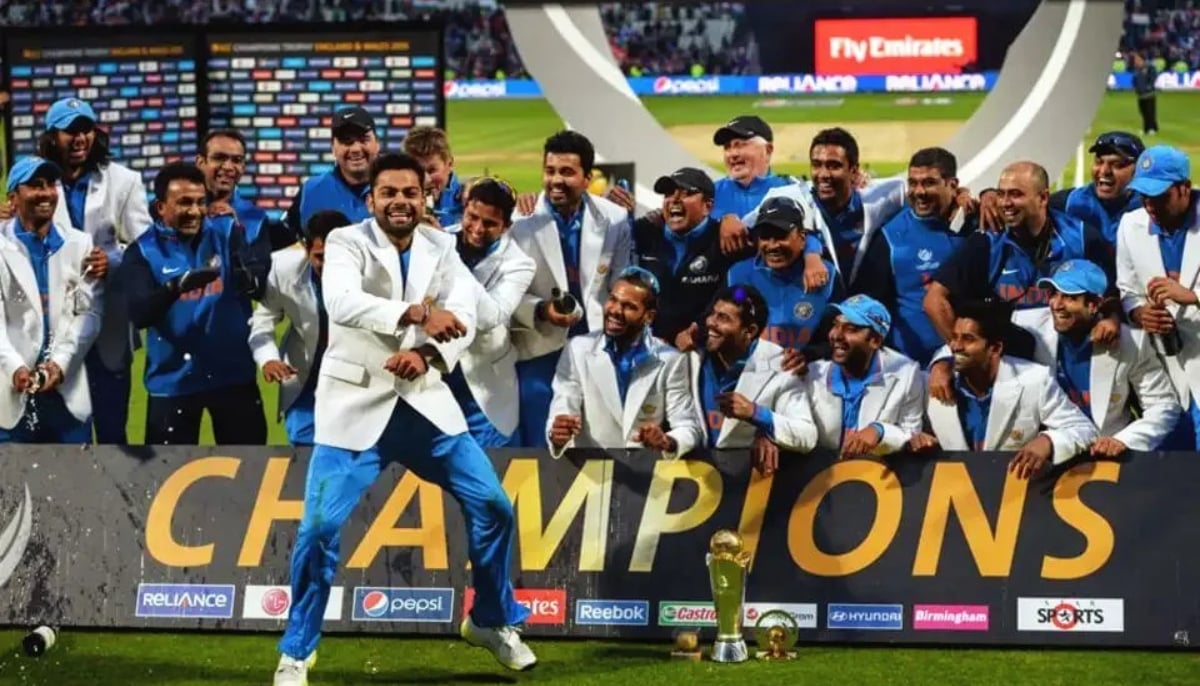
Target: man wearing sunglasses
(1158, 274)
(1107, 198)
(485, 381)
(621, 387)
(745, 398)
(107, 201)
(345, 187)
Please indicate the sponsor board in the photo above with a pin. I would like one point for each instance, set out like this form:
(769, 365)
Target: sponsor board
(933, 45)
(274, 602)
(391, 604)
(668, 85)
(211, 601)
(1071, 614)
(950, 617)
(686, 613)
(928, 83)
(545, 605)
(475, 90)
(870, 617)
(612, 612)
(807, 83)
(805, 614)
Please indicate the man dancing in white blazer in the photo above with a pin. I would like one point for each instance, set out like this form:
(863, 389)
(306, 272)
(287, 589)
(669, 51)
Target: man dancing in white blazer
(401, 308)
(742, 393)
(617, 387)
(1102, 380)
(867, 400)
(1002, 402)
(579, 243)
(485, 382)
(293, 292)
(51, 284)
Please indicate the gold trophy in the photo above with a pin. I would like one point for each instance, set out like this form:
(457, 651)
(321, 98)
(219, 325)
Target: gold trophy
(728, 563)
(777, 631)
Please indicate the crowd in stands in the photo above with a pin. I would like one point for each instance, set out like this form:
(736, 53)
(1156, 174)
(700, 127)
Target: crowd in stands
(1163, 32)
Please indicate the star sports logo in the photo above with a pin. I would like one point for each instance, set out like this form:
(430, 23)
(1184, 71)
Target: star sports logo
(1071, 614)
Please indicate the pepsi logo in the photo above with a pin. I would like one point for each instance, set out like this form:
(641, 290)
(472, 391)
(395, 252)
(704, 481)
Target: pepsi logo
(375, 604)
(276, 602)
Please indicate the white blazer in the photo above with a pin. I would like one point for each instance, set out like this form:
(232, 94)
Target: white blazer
(115, 213)
(1113, 374)
(606, 248)
(1026, 401)
(1138, 261)
(881, 201)
(289, 294)
(894, 400)
(490, 364)
(76, 309)
(585, 384)
(365, 297)
(764, 383)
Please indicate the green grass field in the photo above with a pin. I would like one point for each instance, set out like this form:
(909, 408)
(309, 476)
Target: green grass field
(134, 659)
(505, 138)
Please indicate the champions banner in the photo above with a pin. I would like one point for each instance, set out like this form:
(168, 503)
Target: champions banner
(910, 550)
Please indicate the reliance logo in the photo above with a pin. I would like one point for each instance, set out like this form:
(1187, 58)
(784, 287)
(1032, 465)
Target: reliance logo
(185, 600)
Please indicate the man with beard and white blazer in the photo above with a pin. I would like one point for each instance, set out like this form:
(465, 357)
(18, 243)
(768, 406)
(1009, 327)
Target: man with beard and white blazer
(1158, 275)
(485, 381)
(1001, 402)
(1103, 380)
(741, 391)
(618, 387)
(579, 242)
(294, 292)
(52, 286)
(867, 399)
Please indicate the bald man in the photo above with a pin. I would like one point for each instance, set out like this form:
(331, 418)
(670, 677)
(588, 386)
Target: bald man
(1008, 264)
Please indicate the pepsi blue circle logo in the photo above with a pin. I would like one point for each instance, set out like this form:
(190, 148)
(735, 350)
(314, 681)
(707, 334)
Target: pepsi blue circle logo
(375, 604)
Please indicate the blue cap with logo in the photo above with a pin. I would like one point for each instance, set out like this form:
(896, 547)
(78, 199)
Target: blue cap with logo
(1159, 168)
(861, 310)
(1077, 277)
(64, 113)
(28, 168)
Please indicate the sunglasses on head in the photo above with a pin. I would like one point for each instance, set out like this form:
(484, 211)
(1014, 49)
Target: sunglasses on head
(1119, 141)
(639, 274)
(741, 298)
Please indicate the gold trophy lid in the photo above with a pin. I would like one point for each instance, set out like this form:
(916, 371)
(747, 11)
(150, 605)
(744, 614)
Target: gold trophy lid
(726, 542)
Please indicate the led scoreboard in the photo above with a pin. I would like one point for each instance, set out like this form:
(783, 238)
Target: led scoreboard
(281, 89)
(144, 90)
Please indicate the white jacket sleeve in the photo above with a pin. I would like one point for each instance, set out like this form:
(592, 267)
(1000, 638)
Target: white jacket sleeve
(346, 303)
(794, 426)
(681, 409)
(267, 315)
(82, 316)
(498, 304)
(1129, 282)
(567, 388)
(910, 415)
(456, 292)
(1067, 427)
(1160, 405)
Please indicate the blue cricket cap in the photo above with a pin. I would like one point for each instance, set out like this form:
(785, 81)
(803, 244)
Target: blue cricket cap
(861, 310)
(28, 168)
(65, 112)
(1159, 168)
(1077, 277)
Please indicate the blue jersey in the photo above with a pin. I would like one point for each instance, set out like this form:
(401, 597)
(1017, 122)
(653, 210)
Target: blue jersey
(328, 191)
(448, 208)
(199, 342)
(794, 314)
(1082, 204)
(918, 247)
(731, 197)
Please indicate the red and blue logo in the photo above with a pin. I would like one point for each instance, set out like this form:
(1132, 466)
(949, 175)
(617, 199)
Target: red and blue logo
(379, 604)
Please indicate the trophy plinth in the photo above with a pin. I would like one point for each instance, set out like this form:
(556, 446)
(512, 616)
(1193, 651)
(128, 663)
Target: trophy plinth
(728, 564)
(777, 631)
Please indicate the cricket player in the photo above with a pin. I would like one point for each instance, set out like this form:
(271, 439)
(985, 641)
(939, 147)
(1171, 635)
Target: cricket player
(400, 303)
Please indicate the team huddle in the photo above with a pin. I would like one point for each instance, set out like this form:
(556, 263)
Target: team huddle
(430, 317)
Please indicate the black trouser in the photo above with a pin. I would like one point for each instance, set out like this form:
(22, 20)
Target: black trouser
(236, 413)
(1149, 109)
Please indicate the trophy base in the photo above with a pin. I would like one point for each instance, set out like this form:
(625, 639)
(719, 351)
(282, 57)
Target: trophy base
(768, 656)
(692, 655)
(730, 651)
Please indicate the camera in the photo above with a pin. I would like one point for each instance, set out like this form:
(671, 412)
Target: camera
(563, 303)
